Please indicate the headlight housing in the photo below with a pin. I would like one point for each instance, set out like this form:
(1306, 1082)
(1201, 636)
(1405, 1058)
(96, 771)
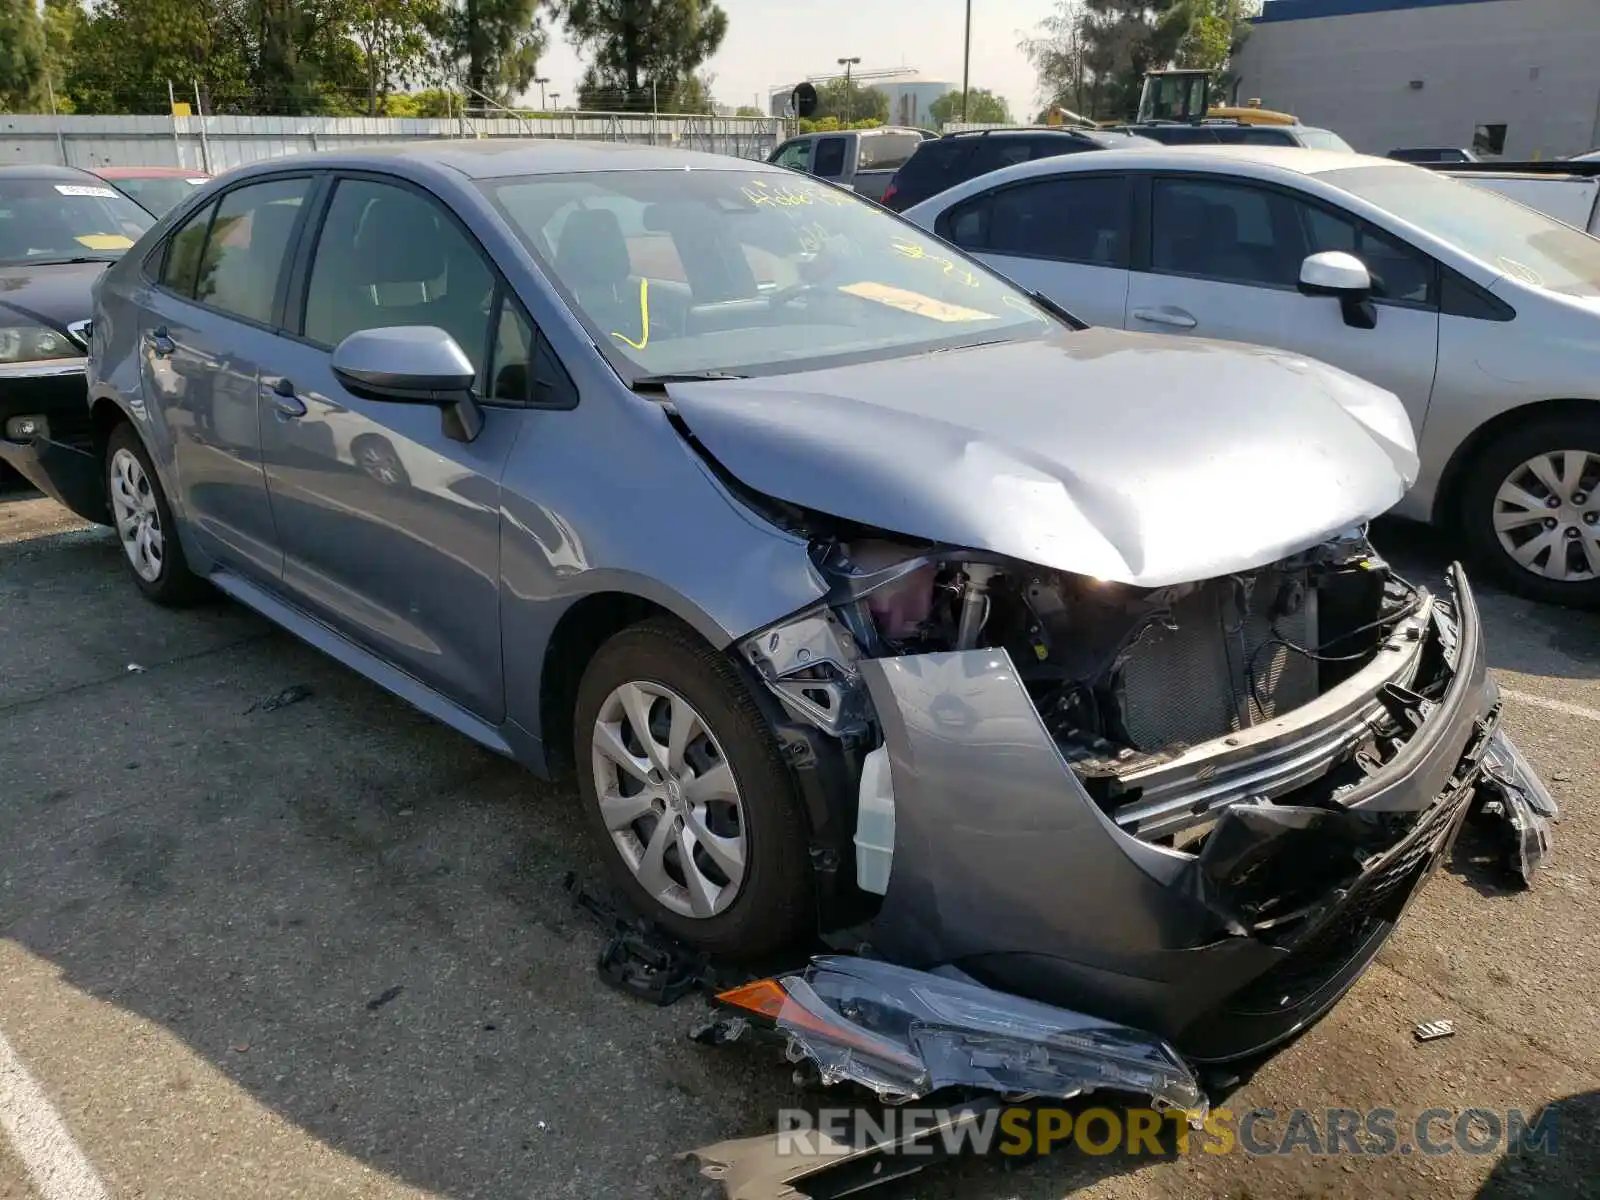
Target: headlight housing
(33, 343)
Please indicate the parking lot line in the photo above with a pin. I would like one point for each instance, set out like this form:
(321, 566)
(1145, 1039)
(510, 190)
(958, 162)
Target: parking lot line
(40, 1137)
(1560, 706)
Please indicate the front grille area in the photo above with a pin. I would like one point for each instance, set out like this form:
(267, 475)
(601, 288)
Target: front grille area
(1192, 683)
(1321, 952)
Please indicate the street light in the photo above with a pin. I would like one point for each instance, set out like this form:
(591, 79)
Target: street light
(541, 80)
(966, 62)
(847, 63)
(555, 100)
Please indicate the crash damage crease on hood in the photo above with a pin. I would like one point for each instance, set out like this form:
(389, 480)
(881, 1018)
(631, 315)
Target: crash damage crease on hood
(1126, 457)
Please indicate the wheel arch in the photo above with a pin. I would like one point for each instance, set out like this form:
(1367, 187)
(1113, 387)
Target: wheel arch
(104, 416)
(1452, 480)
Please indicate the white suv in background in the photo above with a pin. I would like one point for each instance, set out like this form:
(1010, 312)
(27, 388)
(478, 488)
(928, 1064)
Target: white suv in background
(1482, 315)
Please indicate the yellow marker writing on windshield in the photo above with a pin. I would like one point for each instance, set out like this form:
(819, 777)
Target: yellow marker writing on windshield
(644, 319)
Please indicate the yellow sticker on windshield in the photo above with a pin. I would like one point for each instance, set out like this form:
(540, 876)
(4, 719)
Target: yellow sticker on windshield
(103, 241)
(915, 302)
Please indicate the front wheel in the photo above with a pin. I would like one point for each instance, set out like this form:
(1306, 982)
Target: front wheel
(686, 792)
(1531, 510)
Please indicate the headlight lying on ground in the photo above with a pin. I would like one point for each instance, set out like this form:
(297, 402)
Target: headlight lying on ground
(32, 343)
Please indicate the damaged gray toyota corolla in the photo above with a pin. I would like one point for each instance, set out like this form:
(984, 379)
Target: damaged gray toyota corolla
(1046, 672)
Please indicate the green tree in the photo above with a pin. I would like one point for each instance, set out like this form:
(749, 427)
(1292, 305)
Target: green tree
(125, 51)
(62, 20)
(1091, 55)
(494, 44)
(748, 110)
(644, 52)
(22, 55)
(395, 45)
(850, 102)
(983, 107)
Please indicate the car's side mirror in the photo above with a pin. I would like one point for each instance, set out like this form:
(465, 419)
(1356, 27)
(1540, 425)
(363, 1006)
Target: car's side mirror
(1344, 277)
(412, 364)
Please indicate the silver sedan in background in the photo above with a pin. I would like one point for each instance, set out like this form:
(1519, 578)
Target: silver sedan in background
(1482, 315)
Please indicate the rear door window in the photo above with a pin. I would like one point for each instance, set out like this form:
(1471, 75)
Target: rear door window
(182, 264)
(1078, 219)
(997, 152)
(248, 247)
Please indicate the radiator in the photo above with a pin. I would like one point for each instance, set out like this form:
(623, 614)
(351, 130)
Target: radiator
(1190, 684)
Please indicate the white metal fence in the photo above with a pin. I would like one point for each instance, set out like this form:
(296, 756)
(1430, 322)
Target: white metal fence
(214, 144)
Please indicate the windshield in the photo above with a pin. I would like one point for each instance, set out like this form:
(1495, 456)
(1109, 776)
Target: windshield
(1521, 242)
(1323, 139)
(751, 272)
(51, 220)
(157, 194)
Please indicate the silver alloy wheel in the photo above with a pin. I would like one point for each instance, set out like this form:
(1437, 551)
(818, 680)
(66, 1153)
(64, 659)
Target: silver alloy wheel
(1547, 515)
(669, 799)
(133, 506)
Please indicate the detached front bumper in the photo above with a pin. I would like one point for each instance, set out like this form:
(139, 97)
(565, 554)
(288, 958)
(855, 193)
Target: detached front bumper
(62, 464)
(1005, 869)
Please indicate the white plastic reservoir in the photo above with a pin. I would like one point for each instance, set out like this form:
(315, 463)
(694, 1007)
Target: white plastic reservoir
(875, 824)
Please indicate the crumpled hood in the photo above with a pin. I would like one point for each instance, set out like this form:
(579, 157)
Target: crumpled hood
(1136, 458)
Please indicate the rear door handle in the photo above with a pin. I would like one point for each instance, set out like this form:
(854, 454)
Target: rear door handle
(1165, 315)
(281, 393)
(161, 345)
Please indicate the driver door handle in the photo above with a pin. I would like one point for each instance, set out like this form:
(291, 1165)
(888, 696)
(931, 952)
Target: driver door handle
(1165, 315)
(160, 343)
(281, 392)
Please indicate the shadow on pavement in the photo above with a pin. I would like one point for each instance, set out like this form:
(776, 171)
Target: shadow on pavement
(1567, 1165)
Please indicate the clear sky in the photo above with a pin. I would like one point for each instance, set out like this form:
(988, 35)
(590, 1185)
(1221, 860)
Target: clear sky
(771, 42)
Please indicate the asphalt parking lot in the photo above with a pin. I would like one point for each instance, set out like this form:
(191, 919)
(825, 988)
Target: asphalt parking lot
(322, 949)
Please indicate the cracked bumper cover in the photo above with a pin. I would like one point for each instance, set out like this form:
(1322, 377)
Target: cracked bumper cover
(1006, 870)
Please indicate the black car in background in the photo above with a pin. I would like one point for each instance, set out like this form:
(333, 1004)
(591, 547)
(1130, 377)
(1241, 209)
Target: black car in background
(59, 228)
(941, 163)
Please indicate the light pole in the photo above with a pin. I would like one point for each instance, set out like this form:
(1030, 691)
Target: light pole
(847, 63)
(541, 80)
(966, 62)
(555, 100)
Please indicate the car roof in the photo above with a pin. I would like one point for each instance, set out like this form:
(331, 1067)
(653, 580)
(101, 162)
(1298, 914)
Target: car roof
(1299, 160)
(492, 158)
(41, 171)
(148, 173)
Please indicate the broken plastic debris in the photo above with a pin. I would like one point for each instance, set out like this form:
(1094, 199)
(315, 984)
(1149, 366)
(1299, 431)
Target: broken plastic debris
(905, 1033)
(1510, 790)
(135, 669)
(1430, 1031)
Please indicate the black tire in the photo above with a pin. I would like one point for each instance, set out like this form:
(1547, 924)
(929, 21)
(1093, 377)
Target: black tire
(773, 905)
(175, 585)
(1492, 468)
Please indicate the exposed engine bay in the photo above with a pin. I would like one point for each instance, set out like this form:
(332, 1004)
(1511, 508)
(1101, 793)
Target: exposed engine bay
(1146, 692)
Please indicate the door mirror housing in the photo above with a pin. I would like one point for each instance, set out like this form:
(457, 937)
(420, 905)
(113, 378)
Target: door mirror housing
(1344, 277)
(412, 364)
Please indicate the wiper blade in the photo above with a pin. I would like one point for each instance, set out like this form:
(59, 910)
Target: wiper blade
(1055, 310)
(60, 262)
(652, 382)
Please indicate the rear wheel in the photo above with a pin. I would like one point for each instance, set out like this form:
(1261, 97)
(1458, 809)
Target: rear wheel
(144, 524)
(687, 794)
(1531, 510)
